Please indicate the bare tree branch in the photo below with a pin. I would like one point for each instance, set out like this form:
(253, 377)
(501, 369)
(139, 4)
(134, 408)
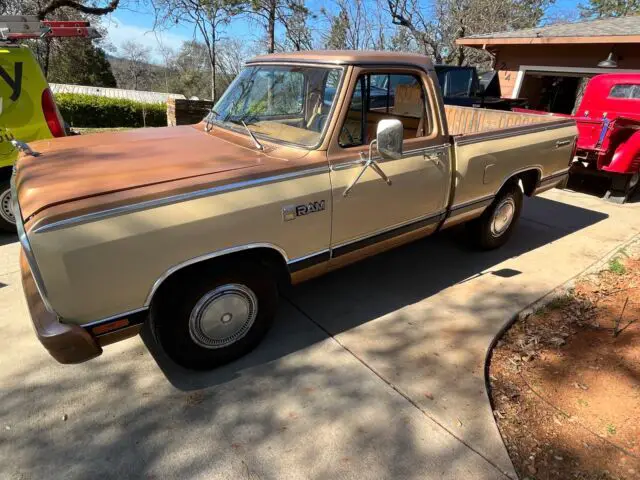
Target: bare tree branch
(54, 5)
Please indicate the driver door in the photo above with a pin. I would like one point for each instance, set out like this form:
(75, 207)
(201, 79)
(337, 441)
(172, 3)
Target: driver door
(373, 214)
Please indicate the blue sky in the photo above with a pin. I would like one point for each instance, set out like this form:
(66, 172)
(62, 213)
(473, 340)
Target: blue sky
(125, 24)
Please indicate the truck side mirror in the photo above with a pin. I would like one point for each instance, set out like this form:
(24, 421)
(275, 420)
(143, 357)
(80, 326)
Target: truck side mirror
(389, 137)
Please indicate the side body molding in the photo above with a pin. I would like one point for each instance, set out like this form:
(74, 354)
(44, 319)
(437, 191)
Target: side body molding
(209, 256)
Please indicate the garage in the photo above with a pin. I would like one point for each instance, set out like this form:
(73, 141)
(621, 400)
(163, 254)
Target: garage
(550, 66)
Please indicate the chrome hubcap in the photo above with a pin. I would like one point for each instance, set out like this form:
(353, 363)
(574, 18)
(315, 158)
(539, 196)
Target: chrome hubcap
(223, 316)
(6, 209)
(503, 217)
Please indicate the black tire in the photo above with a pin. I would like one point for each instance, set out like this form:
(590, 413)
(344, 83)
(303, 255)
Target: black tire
(622, 187)
(484, 233)
(205, 290)
(7, 220)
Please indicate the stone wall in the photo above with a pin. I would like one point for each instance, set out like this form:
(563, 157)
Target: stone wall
(186, 112)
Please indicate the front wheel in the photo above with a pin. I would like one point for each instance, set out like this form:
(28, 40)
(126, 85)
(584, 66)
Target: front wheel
(218, 316)
(7, 219)
(496, 224)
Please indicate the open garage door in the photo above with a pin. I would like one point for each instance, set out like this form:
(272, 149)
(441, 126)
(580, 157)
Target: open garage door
(555, 89)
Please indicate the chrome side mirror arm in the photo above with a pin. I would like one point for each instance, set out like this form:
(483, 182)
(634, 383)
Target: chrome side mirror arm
(368, 162)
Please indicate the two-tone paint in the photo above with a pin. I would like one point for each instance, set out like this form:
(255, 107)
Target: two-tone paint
(102, 245)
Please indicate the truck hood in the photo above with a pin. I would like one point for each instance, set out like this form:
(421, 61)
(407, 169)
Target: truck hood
(84, 166)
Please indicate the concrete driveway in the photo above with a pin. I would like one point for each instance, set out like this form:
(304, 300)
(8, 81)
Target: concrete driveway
(372, 372)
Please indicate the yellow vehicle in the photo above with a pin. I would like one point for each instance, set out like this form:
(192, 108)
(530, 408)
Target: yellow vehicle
(29, 110)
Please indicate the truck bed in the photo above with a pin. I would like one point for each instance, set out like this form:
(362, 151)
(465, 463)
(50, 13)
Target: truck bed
(490, 145)
(468, 121)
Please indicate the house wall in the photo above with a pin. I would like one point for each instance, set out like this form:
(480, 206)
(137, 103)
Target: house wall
(509, 58)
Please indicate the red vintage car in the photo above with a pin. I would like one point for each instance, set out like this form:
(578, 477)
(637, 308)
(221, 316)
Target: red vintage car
(608, 119)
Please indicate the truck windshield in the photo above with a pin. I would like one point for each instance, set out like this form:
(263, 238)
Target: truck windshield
(283, 103)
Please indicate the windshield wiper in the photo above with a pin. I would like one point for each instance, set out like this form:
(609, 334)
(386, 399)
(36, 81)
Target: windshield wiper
(253, 137)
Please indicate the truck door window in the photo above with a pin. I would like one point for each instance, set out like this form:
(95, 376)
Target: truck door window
(625, 91)
(384, 95)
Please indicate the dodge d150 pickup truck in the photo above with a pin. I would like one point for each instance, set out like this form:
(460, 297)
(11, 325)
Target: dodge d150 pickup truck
(194, 229)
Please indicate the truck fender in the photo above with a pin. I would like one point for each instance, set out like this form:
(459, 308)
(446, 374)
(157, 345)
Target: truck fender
(626, 158)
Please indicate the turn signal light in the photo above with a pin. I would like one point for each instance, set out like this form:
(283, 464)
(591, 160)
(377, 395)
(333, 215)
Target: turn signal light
(109, 327)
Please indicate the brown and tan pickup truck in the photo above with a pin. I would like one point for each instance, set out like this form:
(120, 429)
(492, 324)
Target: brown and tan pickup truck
(310, 161)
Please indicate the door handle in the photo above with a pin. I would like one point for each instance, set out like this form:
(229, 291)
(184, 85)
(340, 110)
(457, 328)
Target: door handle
(434, 157)
(562, 143)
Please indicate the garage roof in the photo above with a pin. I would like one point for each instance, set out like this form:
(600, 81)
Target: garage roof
(608, 30)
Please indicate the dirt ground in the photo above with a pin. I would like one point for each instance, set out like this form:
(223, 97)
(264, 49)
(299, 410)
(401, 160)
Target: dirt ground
(565, 381)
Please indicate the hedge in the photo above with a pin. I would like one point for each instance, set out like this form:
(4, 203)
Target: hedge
(92, 111)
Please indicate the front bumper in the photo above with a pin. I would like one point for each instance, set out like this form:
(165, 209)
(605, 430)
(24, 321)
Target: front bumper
(66, 343)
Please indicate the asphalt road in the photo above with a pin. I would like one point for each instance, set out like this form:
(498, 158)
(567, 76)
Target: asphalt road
(372, 372)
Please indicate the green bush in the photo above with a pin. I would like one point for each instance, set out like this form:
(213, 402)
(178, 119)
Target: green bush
(92, 111)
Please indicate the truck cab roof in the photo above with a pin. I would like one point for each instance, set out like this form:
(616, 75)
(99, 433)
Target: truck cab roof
(348, 57)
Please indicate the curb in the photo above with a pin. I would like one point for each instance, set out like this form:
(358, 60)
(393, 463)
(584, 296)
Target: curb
(557, 292)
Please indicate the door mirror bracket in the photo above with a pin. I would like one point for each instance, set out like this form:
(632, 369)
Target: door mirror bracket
(389, 137)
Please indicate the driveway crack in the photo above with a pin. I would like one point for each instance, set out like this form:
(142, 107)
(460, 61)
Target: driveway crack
(394, 387)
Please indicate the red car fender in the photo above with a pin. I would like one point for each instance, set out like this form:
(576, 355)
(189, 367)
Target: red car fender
(626, 158)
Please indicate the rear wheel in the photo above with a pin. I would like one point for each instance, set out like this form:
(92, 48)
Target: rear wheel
(217, 316)
(622, 187)
(496, 224)
(7, 219)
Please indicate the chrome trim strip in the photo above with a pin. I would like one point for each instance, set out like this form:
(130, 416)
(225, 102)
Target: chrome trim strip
(159, 202)
(302, 263)
(346, 165)
(408, 153)
(453, 208)
(112, 317)
(344, 63)
(388, 229)
(311, 255)
(522, 170)
(509, 132)
(209, 256)
(555, 175)
(26, 247)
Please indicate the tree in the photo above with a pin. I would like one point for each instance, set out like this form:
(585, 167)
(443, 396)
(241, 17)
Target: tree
(354, 27)
(134, 71)
(78, 61)
(298, 35)
(610, 8)
(208, 18)
(190, 71)
(232, 55)
(435, 29)
(402, 41)
(291, 14)
(47, 8)
(336, 37)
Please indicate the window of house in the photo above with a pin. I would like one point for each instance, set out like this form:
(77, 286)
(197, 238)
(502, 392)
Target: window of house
(377, 96)
(631, 91)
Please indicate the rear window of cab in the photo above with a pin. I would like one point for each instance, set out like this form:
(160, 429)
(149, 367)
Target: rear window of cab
(625, 90)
